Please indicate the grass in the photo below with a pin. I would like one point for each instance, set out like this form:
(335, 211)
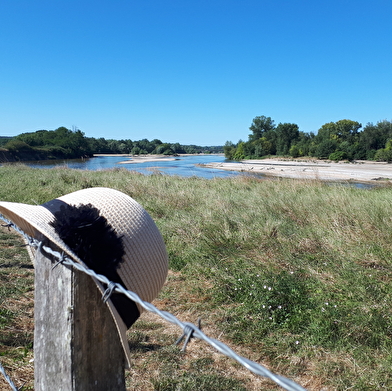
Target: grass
(295, 275)
(16, 309)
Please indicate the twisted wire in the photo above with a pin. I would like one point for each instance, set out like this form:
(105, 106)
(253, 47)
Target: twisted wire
(189, 329)
(8, 379)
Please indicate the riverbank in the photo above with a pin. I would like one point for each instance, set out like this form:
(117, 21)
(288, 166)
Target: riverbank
(359, 171)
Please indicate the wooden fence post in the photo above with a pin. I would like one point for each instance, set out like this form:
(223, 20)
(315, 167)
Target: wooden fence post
(76, 344)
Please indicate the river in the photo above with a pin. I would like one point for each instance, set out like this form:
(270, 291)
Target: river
(185, 166)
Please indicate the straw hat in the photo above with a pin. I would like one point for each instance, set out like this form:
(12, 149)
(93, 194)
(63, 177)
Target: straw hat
(109, 232)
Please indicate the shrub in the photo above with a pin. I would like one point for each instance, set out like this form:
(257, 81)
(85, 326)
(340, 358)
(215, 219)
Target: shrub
(294, 151)
(383, 155)
(18, 146)
(337, 155)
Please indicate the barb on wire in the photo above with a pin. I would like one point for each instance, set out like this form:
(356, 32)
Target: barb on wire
(108, 292)
(188, 333)
(189, 329)
(59, 261)
(8, 225)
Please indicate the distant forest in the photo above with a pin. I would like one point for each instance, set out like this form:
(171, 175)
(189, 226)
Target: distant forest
(341, 140)
(64, 143)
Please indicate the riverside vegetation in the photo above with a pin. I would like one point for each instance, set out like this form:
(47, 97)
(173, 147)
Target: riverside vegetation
(64, 143)
(295, 275)
(341, 140)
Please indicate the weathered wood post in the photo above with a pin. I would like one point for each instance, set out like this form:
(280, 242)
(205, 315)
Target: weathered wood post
(76, 344)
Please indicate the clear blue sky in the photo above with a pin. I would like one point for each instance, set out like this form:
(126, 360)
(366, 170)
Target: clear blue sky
(193, 72)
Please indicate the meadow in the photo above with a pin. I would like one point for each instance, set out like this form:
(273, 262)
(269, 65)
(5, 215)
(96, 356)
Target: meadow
(293, 274)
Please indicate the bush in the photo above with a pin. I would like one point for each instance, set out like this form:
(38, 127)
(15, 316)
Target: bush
(337, 155)
(294, 151)
(383, 155)
(18, 146)
(240, 152)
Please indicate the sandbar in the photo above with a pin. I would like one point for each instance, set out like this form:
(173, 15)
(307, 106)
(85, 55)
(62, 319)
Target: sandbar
(358, 171)
(141, 159)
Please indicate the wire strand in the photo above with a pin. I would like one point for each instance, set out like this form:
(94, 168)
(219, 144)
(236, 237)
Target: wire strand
(189, 329)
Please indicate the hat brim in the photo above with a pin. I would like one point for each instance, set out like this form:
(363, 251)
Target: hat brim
(144, 267)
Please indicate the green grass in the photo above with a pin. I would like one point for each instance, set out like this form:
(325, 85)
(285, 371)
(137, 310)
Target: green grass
(16, 308)
(296, 273)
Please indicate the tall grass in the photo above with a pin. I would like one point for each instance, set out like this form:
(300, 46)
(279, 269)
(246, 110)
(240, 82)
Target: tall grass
(298, 273)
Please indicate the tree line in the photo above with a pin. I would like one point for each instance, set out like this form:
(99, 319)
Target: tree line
(341, 140)
(64, 143)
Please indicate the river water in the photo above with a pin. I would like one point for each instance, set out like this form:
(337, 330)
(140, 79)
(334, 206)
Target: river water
(185, 166)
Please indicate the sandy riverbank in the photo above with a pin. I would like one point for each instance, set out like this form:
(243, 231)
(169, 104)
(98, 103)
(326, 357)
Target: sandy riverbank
(360, 171)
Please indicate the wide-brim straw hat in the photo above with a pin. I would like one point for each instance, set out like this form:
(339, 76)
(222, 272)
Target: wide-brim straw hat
(144, 265)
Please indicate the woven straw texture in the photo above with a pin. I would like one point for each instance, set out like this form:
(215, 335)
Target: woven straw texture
(145, 265)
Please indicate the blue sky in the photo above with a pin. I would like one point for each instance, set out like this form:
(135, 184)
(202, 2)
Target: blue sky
(193, 72)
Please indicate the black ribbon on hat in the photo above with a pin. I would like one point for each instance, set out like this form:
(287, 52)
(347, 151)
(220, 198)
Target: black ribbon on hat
(89, 235)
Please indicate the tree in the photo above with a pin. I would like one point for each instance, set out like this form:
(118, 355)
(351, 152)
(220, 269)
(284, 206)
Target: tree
(177, 148)
(113, 146)
(163, 149)
(325, 148)
(135, 150)
(72, 143)
(259, 126)
(156, 142)
(123, 148)
(302, 145)
(341, 136)
(286, 134)
(229, 150)
(343, 130)
(346, 130)
(145, 146)
(262, 147)
(375, 137)
(240, 151)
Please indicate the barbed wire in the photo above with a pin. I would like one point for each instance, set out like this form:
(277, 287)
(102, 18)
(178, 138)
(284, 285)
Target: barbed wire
(189, 329)
(8, 379)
